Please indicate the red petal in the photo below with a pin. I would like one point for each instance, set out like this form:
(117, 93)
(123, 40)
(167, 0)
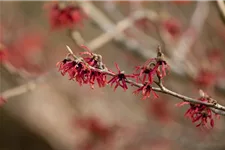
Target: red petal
(155, 95)
(86, 48)
(181, 104)
(212, 123)
(196, 119)
(117, 67)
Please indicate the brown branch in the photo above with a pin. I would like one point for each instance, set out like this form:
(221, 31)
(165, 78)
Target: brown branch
(215, 107)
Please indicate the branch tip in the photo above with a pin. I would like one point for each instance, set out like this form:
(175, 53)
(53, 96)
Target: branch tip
(69, 49)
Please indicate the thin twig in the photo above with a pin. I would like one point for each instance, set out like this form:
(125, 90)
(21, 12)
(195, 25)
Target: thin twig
(217, 107)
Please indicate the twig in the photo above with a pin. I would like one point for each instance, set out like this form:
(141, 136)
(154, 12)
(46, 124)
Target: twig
(30, 86)
(217, 108)
(189, 36)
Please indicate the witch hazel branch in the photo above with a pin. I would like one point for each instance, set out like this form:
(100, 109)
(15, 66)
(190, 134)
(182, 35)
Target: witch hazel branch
(88, 68)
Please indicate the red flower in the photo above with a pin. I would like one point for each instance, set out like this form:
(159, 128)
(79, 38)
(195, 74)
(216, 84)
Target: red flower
(146, 91)
(173, 27)
(200, 113)
(66, 17)
(205, 78)
(146, 70)
(94, 126)
(92, 59)
(88, 51)
(120, 79)
(99, 77)
(65, 65)
(161, 66)
(19, 52)
(76, 70)
(81, 73)
(150, 68)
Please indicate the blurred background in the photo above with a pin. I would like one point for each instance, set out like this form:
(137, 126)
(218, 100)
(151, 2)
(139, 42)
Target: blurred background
(46, 111)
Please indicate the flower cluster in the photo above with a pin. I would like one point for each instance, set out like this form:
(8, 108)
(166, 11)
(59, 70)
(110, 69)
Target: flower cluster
(89, 68)
(146, 73)
(83, 72)
(200, 113)
(155, 66)
(62, 15)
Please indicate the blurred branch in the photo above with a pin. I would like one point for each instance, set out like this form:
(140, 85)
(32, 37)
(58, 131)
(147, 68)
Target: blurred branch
(221, 5)
(116, 31)
(75, 35)
(30, 86)
(189, 36)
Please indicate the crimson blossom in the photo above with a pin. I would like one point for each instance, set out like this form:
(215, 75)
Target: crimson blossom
(76, 70)
(146, 70)
(154, 66)
(120, 79)
(172, 26)
(200, 113)
(146, 90)
(84, 70)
